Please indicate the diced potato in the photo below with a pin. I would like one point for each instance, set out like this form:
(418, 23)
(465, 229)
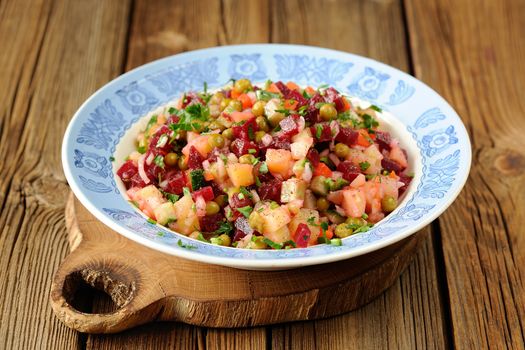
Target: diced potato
(241, 174)
(389, 186)
(279, 236)
(374, 158)
(354, 202)
(293, 189)
(301, 144)
(165, 213)
(274, 218)
(397, 155)
(149, 198)
(185, 212)
(271, 106)
(241, 116)
(201, 144)
(279, 162)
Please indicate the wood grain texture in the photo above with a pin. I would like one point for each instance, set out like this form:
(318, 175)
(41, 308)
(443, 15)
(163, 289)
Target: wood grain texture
(38, 95)
(479, 69)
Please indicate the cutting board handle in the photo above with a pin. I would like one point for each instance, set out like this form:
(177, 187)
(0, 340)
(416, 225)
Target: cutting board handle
(130, 285)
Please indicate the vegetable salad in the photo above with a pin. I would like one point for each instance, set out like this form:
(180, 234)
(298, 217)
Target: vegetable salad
(274, 166)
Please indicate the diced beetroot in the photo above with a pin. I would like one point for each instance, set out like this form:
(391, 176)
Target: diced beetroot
(324, 135)
(315, 99)
(383, 139)
(302, 235)
(127, 171)
(281, 141)
(173, 119)
(227, 93)
(191, 98)
(236, 202)
(312, 113)
(406, 181)
(163, 130)
(246, 131)
(194, 159)
(216, 189)
(347, 136)
(136, 181)
(349, 170)
(271, 190)
(238, 235)
(210, 223)
(313, 157)
(153, 170)
(288, 127)
(263, 177)
(390, 165)
(176, 181)
(205, 192)
(243, 146)
(283, 88)
(333, 96)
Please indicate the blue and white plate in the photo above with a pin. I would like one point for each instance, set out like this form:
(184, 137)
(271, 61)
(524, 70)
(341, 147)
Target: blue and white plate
(433, 134)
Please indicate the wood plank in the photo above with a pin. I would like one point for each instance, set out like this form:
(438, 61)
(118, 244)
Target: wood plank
(410, 314)
(150, 39)
(473, 56)
(53, 57)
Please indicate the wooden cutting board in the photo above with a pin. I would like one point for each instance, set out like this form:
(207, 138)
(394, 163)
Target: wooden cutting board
(147, 285)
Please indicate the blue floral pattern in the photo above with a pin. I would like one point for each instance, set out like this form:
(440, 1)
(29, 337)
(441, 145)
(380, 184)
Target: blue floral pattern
(92, 163)
(101, 126)
(104, 120)
(178, 79)
(441, 175)
(401, 94)
(429, 117)
(310, 70)
(439, 140)
(369, 84)
(136, 98)
(247, 66)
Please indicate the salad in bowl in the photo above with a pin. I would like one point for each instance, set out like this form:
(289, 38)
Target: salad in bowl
(265, 166)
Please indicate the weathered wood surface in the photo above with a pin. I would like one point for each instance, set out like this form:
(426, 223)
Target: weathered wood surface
(479, 69)
(466, 286)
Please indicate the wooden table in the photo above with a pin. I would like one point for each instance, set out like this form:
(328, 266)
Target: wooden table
(466, 286)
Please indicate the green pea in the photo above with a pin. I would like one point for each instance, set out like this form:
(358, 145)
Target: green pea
(236, 105)
(246, 159)
(228, 134)
(216, 98)
(343, 230)
(355, 221)
(322, 204)
(242, 85)
(212, 208)
(224, 103)
(258, 108)
(259, 135)
(221, 200)
(327, 112)
(275, 119)
(171, 159)
(142, 146)
(216, 125)
(262, 124)
(388, 203)
(216, 140)
(342, 150)
(183, 163)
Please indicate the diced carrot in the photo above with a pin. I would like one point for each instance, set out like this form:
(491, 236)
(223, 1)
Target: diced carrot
(346, 104)
(292, 86)
(240, 116)
(329, 233)
(393, 175)
(290, 104)
(322, 170)
(208, 176)
(246, 101)
(273, 88)
(310, 90)
(363, 138)
(372, 136)
(234, 94)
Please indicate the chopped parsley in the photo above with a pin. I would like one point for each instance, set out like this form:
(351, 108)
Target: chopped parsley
(266, 95)
(186, 191)
(172, 110)
(225, 227)
(263, 169)
(170, 196)
(152, 121)
(252, 151)
(151, 221)
(274, 205)
(272, 244)
(364, 165)
(318, 130)
(191, 117)
(284, 111)
(246, 211)
(369, 122)
(375, 108)
(257, 182)
(161, 234)
(111, 159)
(245, 192)
(163, 139)
(159, 161)
(185, 246)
